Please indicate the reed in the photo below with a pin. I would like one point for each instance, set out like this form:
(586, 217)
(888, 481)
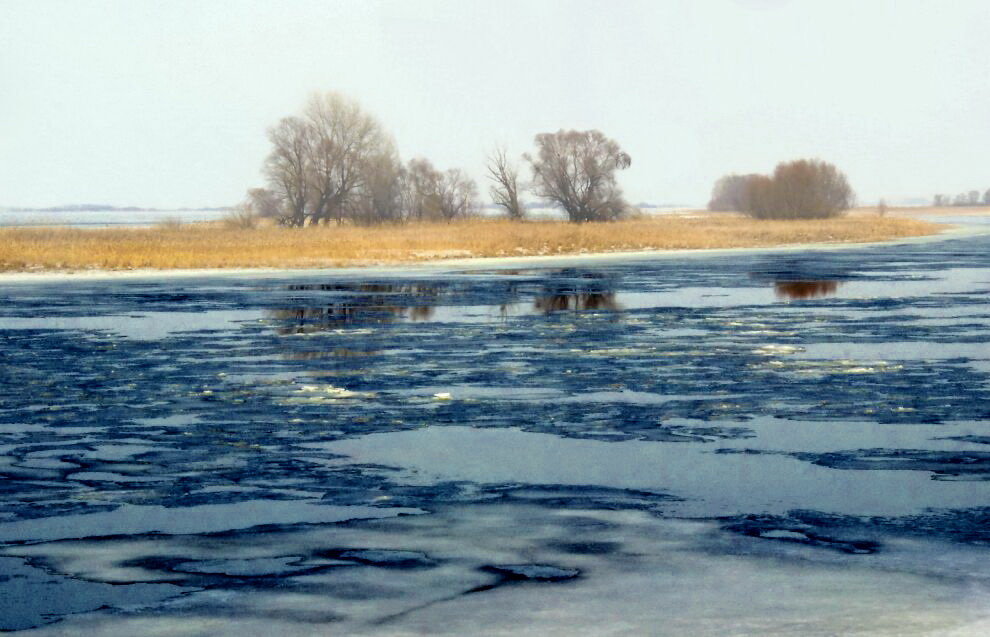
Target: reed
(226, 245)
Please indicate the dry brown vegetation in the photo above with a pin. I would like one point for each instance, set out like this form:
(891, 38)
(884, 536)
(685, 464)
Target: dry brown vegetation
(218, 245)
(799, 189)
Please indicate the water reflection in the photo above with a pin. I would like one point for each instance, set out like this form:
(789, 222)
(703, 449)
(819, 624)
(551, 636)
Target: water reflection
(304, 320)
(805, 289)
(377, 304)
(576, 301)
(589, 293)
(367, 303)
(337, 352)
(416, 289)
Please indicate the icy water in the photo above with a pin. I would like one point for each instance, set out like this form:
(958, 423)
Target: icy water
(104, 218)
(765, 444)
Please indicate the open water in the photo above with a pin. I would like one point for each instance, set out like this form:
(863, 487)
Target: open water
(793, 443)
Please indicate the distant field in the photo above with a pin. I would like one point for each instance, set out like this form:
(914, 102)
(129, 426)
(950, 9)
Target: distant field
(211, 245)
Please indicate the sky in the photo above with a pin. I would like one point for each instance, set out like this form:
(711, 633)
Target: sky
(166, 104)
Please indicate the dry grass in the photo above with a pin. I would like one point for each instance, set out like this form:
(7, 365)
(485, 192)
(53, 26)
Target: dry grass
(220, 245)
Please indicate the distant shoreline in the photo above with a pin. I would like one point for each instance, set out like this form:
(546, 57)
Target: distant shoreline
(72, 209)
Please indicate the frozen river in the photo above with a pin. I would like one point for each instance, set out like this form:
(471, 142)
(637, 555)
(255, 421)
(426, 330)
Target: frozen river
(792, 443)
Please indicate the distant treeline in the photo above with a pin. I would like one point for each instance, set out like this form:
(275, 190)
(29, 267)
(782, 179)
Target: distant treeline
(971, 198)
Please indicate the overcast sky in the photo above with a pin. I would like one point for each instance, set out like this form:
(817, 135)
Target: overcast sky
(166, 103)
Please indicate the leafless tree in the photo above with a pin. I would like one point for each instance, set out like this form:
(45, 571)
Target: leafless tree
(504, 190)
(457, 195)
(335, 162)
(320, 160)
(801, 189)
(974, 197)
(576, 169)
(731, 193)
(882, 208)
(287, 168)
(344, 140)
(422, 190)
(986, 197)
(760, 197)
(379, 199)
(264, 203)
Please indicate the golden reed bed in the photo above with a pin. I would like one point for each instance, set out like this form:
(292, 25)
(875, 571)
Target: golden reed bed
(212, 245)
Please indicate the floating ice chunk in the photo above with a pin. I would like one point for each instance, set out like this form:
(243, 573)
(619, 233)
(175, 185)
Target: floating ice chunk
(536, 572)
(336, 392)
(781, 534)
(777, 350)
(388, 557)
(257, 567)
(443, 395)
(616, 351)
(340, 392)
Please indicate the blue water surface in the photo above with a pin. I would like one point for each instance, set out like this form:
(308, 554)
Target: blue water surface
(801, 438)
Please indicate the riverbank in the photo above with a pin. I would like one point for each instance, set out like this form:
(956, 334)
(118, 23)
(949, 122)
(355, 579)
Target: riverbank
(213, 246)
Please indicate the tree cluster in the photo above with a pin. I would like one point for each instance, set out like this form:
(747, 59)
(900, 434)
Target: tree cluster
(971, 198)
(574, 170)
(800, 189)
(335, 163)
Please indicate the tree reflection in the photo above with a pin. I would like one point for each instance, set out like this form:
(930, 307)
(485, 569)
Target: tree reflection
(364, 304)
(592, 292)
(376, 304)
(805, 289)
(576, 301)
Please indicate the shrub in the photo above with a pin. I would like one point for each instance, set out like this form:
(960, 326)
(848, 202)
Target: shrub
(809, 189)
(800, 189)
(731, 194)
(169, 223)
(240, 218)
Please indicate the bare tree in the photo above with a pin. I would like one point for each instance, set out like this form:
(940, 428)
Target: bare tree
(801, 189)
(319, 161)
(344, 139)
(264, 203)
(335, 162)
(760, 197)
(379, 199)
(986, 197)
(974, 197)
(422, 190)
(731, 193)
(457, 195)
(287, 168)
(576, 169)
(505, 183)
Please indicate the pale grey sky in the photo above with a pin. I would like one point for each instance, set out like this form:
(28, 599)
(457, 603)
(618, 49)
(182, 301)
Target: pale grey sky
(166, 103)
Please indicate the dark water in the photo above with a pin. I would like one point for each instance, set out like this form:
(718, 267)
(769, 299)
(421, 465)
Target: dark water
(794, 443)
